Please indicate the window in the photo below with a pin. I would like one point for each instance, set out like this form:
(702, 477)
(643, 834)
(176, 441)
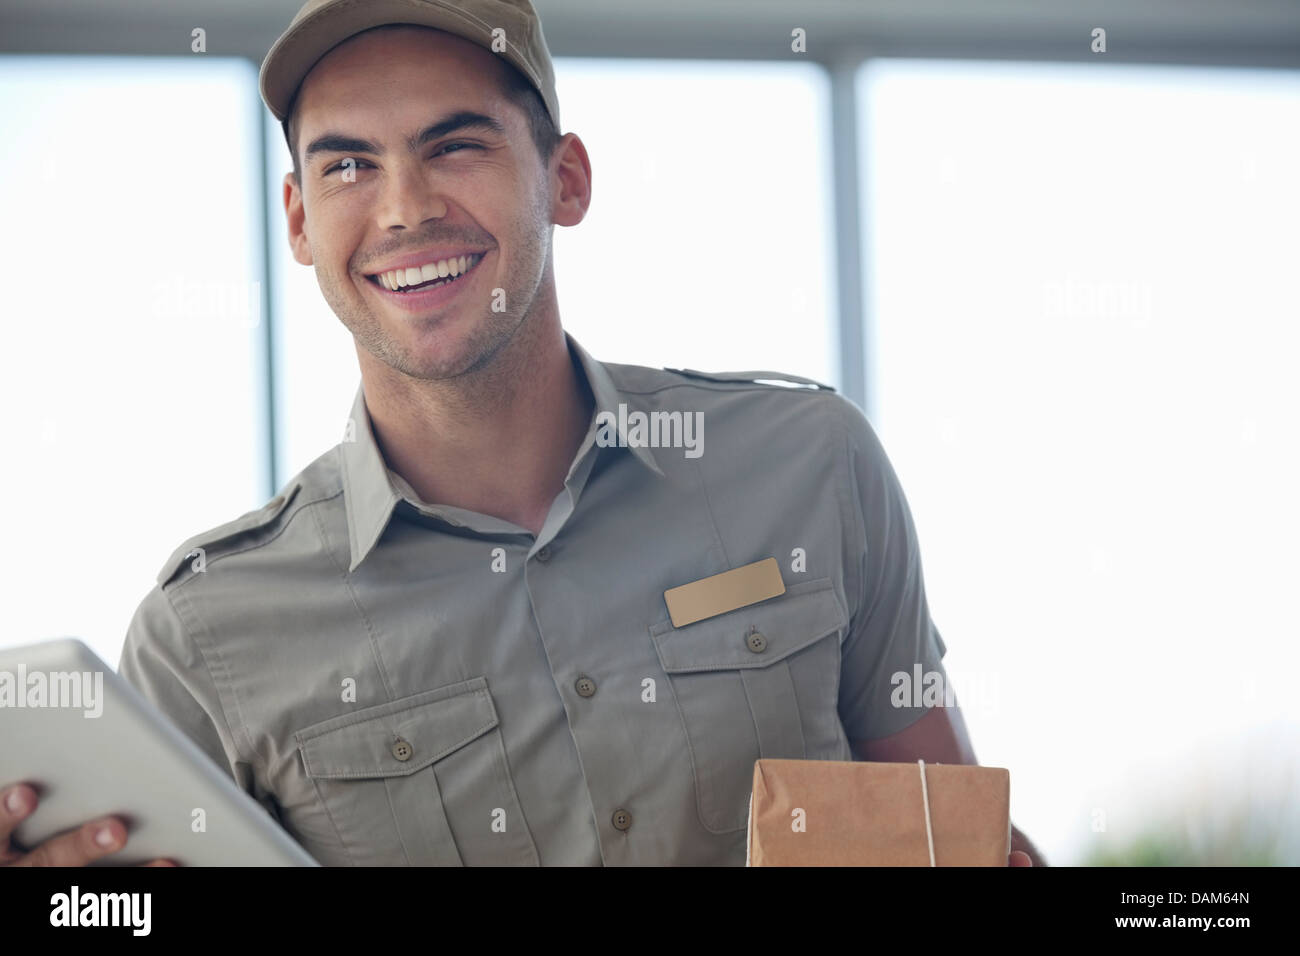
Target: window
(132, 332)
(1085, 331)
(708, 244)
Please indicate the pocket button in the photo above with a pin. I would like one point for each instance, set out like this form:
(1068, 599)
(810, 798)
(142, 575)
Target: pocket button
(402, 750)
(622, 819)
(586, 686)
(756, 642)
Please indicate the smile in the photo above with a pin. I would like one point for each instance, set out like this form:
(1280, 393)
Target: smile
(431, 275)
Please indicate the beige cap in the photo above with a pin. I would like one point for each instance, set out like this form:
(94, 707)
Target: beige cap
(322, 25)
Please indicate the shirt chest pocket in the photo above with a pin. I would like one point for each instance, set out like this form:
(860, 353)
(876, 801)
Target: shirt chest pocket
(760, 681)
(422, 781)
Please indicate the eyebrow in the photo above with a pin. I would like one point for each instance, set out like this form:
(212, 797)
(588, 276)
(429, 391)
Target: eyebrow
(334, 142)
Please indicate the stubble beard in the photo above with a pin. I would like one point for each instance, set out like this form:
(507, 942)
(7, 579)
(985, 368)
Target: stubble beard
(436, 357)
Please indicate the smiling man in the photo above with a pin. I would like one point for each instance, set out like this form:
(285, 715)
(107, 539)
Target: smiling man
(455, 637)
(426, 208)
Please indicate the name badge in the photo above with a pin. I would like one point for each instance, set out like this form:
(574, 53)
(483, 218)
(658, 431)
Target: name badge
(720, 593)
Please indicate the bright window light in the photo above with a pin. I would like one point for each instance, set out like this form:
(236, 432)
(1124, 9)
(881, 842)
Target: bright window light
(132, 329)
(1085, 326)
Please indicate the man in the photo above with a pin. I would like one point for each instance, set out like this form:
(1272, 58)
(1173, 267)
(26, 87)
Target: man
(447, 640)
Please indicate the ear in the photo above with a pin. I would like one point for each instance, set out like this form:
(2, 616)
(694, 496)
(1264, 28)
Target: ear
(297, 219)
(570, 181)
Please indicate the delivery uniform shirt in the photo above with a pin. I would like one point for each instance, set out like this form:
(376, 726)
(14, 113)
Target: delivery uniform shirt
(400, 682)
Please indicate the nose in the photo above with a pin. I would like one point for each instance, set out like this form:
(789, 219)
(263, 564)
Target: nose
(409, 198)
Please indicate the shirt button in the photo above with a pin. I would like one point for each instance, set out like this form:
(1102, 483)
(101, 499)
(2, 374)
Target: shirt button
(756, 642)
(586, 686)
(622, 819)
(544, 554)
(402, 750)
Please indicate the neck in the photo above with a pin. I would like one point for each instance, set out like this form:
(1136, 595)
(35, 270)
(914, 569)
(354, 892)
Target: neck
(498, 440)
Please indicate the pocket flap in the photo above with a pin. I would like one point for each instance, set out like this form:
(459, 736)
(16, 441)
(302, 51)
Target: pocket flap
(806, 613)
(433, 723)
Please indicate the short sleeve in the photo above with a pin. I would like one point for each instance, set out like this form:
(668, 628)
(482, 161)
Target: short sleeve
(892, 642)
(161, 661)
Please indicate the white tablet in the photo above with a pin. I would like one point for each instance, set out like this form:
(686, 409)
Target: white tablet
(93, 746)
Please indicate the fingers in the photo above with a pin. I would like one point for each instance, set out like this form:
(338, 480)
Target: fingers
(78, 847)
(16, 804)
(1020, 858)
(74, 848)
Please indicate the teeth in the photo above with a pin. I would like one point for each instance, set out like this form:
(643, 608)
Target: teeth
(399, 278)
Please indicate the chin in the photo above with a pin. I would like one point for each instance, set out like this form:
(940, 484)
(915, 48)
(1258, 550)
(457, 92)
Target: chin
(440, 359)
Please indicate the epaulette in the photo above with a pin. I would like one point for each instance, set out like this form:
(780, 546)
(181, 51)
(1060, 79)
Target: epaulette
(202, 548)
(774, 378)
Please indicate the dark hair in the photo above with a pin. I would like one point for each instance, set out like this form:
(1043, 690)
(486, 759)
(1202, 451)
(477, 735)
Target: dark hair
(516, 88)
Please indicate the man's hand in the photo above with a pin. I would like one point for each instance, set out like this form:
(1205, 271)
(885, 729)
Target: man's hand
(71, 848)
(1019, 858)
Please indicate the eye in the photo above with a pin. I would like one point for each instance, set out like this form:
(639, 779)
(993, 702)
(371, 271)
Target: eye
(339, 165)
(462, 145)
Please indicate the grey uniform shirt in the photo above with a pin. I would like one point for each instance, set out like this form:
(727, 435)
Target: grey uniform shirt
(400, 682)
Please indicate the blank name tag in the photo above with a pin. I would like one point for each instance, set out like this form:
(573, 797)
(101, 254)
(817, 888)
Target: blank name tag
(724, 592)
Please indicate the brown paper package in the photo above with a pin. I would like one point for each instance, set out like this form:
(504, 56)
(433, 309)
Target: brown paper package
(858, 813)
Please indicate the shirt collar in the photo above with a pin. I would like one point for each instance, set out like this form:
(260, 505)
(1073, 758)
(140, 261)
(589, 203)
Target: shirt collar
(370, 491)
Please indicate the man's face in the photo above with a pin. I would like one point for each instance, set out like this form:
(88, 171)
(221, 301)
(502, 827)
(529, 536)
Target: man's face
(468, 191)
